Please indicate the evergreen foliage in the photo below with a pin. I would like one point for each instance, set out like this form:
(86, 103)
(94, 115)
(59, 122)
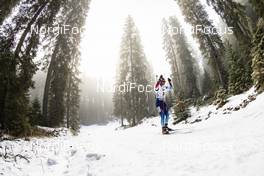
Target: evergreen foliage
(180, 59)
(132, 105)
(258, 6)
(211, 44)
(257, 53)
(6, 8)
(236, 72)
(220, 98)
(35, 116)
(234, 15)
(181, 111)
(19, 44)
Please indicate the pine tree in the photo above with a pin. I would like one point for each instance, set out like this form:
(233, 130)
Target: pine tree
(121, 73)
(233, 13)
(257, 53)
(171, 56)
(73, 99)
(207, 85)
(56, 111)
(150, 96)
(236, 84)
(220, 98)
(6, 8)
(181, 110)
(63, 94)
(35, 115)
(211, 44)
(183, 57)
(258, 6)
(118, 101)
(15, 102)
(18, 48)
(133, 67)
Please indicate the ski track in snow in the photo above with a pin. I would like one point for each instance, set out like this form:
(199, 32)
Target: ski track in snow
(224, 145)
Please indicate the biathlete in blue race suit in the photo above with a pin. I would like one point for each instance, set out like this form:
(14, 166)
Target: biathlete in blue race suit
(161, 89)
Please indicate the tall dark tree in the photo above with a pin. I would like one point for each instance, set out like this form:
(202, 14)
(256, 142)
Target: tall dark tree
(133, 68)
(20, 41)
(185, 70)
(208, 86)
(236, 70)
(258, 5)
(120, 106)
(6, 7)
(73, 96)
(234, 15)
(257, 48)
(211, 44)
(20, 65)
(257, 53)
(171, 56)
(63, 94)
(35, 116)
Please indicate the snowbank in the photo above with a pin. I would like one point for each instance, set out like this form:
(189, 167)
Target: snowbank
(226, 144)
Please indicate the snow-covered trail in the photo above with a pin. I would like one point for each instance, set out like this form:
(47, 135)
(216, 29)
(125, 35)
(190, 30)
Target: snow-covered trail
(230, 144)
(191, 150)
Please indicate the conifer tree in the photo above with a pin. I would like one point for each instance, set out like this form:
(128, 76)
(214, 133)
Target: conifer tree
(207, 84)
(18, 48)
(15, 102)
(236, 70)
(233, 13)
(171, 56)
(257, 48)
(177, 42)
(258, 6)
(6, 7)
(63, 94)
(133, 70)
(257, 53)
(211, 44)
(35, 115)
(73, 98)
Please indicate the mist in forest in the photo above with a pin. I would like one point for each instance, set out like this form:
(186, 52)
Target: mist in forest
(57, 56)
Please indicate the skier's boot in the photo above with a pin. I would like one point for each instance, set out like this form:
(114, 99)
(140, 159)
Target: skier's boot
(164, 130)
(168, 129)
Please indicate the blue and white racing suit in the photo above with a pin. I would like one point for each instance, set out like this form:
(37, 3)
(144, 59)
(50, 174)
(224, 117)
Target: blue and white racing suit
(161, 103)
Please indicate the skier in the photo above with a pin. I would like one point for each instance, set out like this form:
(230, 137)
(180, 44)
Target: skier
(160, 90)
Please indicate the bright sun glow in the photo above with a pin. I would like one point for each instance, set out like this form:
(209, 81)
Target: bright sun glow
(104, 28)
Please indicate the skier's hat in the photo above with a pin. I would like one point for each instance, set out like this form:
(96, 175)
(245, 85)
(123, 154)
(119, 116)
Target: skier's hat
(162, 79)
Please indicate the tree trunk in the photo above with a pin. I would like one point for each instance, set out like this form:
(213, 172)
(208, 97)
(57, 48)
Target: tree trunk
(12, 73)
(218, 64)
(68, 102)
(26, 31)
(6, 9)
(2, 107)
(47, 87)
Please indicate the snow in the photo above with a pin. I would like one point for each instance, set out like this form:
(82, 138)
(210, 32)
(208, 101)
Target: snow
(223, 145)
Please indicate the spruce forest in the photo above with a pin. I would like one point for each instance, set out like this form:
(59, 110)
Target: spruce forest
(131, 87)
(232, 64)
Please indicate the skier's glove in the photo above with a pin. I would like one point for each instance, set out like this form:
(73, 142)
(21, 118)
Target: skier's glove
(157, 84)
(170, 82)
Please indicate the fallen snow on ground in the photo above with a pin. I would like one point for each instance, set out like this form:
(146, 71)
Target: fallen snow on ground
(223, 145)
